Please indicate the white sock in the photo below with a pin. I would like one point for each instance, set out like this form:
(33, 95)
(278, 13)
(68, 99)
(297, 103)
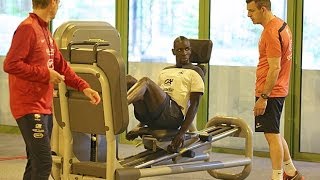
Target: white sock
(277, 174)
(289, 168)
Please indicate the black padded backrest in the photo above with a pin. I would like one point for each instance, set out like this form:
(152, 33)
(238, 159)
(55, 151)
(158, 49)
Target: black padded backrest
(200, 50)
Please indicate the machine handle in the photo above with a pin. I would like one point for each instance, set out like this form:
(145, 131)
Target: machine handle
(95, 44)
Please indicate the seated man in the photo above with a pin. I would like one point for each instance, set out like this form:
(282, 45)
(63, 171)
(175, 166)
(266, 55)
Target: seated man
(174, 101)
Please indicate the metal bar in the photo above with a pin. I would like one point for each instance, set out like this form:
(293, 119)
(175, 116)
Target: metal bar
(200, 157)
(184, 168)
(197, 145)
(145, 158)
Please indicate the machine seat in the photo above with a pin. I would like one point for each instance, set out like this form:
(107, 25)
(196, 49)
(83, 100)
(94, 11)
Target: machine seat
(159, 134)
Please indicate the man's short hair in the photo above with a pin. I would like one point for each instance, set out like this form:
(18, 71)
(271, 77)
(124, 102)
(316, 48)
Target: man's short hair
(260, 3)
(179, 39)
(40, 4)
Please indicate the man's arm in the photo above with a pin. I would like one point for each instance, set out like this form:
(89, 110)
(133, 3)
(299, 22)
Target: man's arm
(16, 62)
(271, 79)
(192, 111)
(272, 76)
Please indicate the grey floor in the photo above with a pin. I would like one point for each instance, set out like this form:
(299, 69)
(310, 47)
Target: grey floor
(12, 162)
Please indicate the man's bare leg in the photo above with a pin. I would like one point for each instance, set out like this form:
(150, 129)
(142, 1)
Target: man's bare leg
(130, 81)
(146, 96)
(286, 152)
(288, 165)
(276, 151)
(147, 91)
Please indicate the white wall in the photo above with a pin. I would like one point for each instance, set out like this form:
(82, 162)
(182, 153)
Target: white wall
(5, 113)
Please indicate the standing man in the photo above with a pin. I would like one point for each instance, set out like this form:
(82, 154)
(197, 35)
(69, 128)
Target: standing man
(34, 64)
(272, 83)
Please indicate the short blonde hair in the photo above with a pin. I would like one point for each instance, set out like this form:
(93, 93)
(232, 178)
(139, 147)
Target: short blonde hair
(260, 3)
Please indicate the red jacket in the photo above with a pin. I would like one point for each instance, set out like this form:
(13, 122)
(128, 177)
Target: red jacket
(32, 52)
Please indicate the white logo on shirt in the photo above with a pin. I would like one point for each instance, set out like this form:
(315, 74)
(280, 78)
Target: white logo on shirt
(258, 125)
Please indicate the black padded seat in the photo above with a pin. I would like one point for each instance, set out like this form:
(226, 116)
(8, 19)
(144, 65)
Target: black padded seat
(164, 134)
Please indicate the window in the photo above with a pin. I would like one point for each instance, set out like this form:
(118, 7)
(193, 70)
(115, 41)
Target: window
(234, 37)
(85, 10)
(233, 64)
(310, 98)
(311, 36)
(12, 12)
(153, 25)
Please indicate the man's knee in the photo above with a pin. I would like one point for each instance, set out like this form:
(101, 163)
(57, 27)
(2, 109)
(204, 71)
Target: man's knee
(145, 80)
(130, 81)
(273, 138)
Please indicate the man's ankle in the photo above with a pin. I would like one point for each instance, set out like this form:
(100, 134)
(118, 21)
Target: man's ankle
(277, 174)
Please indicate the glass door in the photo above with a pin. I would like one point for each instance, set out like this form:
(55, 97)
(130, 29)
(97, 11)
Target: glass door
(233, 64)
(309, 146)
(153, 26)
(12, 13)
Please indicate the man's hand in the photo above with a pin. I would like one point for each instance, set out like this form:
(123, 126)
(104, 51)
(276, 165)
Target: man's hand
(260, 107)
(55, 77)
(92, 95)
(177, 142)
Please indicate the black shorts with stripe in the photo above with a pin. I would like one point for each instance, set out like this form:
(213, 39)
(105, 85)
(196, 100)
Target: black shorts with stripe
(167, 116)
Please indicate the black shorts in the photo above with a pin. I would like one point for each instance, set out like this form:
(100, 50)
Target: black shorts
(269, 122)
(168, 116)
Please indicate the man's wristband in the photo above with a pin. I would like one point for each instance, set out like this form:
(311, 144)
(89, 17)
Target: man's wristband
(264, 96)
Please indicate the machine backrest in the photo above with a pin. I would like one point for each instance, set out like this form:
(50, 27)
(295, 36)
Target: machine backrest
(200, 50)
(88, 118)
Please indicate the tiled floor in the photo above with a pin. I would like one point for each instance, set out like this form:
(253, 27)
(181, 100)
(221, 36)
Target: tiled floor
(12, 163)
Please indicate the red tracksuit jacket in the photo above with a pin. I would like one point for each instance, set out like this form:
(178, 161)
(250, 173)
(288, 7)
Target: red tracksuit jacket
(32, 52)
